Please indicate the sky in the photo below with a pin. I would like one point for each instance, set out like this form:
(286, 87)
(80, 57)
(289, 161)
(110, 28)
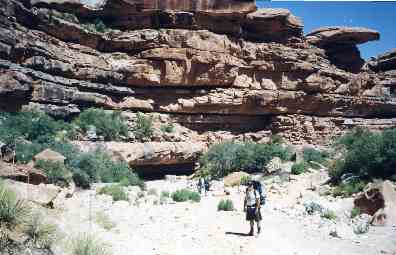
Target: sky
(380, 16)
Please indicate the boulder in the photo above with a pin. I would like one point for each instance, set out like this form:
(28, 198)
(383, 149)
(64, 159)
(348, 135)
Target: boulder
(383, 62)
(50, 155)
(234, 178)
(274, 165)
(41, 194)
(379, 201)
(22, 173)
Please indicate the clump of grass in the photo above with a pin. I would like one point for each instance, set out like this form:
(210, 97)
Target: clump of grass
(86, 244)
(104, 221)
(329, 214)
(299, 168)
(165, 193)
(183, 195)
(167, 128)
(12, 210)
(225, 205)
(42, 234)
(116, 191)
(355, 212)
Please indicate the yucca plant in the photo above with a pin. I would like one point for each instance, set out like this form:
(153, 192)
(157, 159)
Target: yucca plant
(86, 244)
(12, 210)
(42, 234)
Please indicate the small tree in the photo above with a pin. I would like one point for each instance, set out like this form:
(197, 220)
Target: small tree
(143, 128)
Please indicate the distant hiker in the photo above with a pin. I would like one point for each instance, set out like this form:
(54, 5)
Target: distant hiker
(201, 186)
(252, 208)
(207, 185)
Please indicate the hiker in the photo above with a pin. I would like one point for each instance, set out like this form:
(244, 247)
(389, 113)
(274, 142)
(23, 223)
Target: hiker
(201, 186)
(207, 185)
(252, 208)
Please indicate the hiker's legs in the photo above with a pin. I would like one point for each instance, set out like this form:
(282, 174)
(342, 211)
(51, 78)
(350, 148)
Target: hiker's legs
(258, 227)
(251, 227)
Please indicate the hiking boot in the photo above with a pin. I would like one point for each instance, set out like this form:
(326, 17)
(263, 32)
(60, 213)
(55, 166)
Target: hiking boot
(258, 230)
(251, 233)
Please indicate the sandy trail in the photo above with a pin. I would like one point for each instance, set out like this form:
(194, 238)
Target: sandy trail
(198, 228)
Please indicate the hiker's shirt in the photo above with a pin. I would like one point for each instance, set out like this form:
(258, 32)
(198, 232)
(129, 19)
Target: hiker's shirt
(251, 198)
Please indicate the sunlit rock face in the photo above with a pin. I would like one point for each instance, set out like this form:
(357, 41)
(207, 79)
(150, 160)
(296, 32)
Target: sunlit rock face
(219, 69)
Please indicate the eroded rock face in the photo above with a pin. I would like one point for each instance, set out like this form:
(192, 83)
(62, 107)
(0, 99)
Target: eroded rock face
(340, 44)
(218, 69)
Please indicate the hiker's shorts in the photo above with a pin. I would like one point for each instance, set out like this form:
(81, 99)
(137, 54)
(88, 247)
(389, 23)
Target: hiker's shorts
(252, 215)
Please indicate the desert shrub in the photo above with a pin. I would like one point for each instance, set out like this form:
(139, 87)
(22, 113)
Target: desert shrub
(366, 154)
(86, 244)
(56, 172)
(245, 180)
(110, 125)
(143, 128)
(96, 26)
(299, 168)
(98, 166)
(4, 238)
(41, 234)
(225, 205)
(31, 125)
(313, 155)
(347, 189)
(183, 195)
(224, 158)
(104, 221)
(117, 192)
(68, 150)
(25, 151)
(81, 179)
(329, 214)
(276, 139)
(12, 210)
(152, 192)
(165, 194)
(168, 128)
(355, 212)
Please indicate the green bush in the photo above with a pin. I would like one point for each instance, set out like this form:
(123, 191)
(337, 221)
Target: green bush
(12, 211)
(225, 205)
(56, 172)
(224, 158)
(81, 179)
(183, 195)
(32, 125)
(117, 192)
(329, 214)
(98, 166)
(41, 234)
(349, 188)
(299, 168)
(366, 154)
(245, 180)
(86, 244)
(276, 139)
(313, 155)
(109, 125)
(25, 151)
(168, 128)
(143, 128)
(165, 194)
(355, 212)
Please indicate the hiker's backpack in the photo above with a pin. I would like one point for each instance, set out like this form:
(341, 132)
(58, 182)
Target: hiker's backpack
(258, 187)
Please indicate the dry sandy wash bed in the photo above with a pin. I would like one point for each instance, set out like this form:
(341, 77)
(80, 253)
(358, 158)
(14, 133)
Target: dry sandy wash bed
(198, 228)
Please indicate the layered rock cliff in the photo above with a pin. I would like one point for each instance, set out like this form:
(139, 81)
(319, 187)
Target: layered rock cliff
(218, 69)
